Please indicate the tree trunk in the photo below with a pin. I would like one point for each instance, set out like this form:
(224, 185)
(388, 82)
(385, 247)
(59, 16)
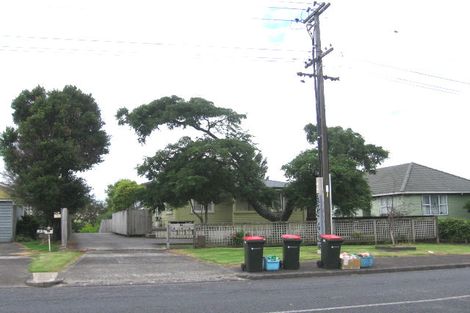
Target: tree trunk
(311, 214)
(268, 214)
(199, 216)
(206, 216)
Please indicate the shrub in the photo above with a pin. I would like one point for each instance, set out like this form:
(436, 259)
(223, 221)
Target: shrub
(89, 228)
(26, 228)
(237, 237)
(454, 230)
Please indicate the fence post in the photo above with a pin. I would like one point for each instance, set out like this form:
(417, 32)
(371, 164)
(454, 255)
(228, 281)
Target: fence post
(436, 228)
(168, 235)
(64, 227)
(375, 231)
(193, 231)
(413, 230)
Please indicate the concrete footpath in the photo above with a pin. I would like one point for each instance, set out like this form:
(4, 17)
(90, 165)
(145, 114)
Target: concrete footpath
(14, 261)
(381, 265)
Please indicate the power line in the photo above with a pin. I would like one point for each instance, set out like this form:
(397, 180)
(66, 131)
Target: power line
(150, 43)
(419, 73)
(36, 49)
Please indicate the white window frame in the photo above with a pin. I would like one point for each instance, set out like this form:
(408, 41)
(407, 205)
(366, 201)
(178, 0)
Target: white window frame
(199, 208)
(282, 203)
(434, 204)
(386, 205)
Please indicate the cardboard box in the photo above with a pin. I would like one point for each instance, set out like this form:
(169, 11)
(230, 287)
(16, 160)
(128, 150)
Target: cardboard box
(350, 264)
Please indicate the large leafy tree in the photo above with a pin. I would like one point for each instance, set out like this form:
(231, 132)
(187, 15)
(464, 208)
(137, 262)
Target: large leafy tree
(58, 134)
(124, 194)
(223, 161)
(350, 158)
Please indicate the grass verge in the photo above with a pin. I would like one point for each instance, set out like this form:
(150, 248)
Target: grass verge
(44, 261)
(52, 261)
(38, 245)
(235, 256)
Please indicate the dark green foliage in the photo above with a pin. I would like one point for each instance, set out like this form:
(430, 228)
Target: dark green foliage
(467, 206)
(350, 158)
(174, 112)
(27, 226)
(224, 162)
(351, 145)
(237, 238)
(454, 230)
(206, 170)
(57, 134)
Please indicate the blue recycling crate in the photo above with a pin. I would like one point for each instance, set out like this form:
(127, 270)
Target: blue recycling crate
(367, 261)
(271, 263)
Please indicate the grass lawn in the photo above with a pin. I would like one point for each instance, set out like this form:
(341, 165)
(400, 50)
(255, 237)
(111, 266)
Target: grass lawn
(235, 256)
(44, 261)
(52, 261)
(38, 245)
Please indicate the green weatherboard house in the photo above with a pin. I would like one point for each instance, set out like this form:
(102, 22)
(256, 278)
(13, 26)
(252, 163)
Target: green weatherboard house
(413, 189)
(409, 189)
(233, 211)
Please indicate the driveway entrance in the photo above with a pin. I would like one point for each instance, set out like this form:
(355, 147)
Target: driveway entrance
(110, 241)
(118, 260)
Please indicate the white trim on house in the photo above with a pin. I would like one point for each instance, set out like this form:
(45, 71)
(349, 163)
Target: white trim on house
(199, 208)
(422, 193)
(440, 206)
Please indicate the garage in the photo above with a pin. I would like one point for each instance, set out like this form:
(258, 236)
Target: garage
(7, 221)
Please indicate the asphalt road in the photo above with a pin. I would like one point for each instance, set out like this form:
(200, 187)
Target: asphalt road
(421, 291)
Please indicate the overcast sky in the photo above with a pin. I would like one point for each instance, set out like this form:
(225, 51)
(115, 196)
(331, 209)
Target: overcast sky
(403, 67)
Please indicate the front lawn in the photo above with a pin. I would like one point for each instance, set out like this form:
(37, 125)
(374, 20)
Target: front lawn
(39, 245)
(44, 261)
(53, 261)
(235, 256)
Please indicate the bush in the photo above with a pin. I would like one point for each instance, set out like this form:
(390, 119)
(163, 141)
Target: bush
(89, 228)
(454, 230)
(26, 228)
(237, 238)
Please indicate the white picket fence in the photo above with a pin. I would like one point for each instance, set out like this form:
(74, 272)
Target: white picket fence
(360, 230)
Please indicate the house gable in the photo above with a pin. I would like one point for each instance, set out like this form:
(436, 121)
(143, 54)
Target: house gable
(408, 188)
(414, 178)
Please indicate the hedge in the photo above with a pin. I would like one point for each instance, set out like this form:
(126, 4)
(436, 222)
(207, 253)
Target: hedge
(454, 230)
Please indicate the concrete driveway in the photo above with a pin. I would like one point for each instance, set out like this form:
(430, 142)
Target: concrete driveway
(110, 242)
(14, 263)
(116, 260)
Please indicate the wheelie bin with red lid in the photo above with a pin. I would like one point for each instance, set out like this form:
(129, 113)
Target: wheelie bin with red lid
(291, 251)
(330, 251)
(253, 253)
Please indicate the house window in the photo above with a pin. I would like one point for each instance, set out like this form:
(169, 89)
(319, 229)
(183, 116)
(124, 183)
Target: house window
(386, 205)
(279, 204)
(196, 207)
(435, 205)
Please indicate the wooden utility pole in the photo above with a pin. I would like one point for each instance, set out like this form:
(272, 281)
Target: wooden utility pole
(324, 197)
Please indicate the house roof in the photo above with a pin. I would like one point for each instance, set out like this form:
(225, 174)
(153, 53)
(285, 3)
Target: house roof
(274, 183)
(412, 178)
